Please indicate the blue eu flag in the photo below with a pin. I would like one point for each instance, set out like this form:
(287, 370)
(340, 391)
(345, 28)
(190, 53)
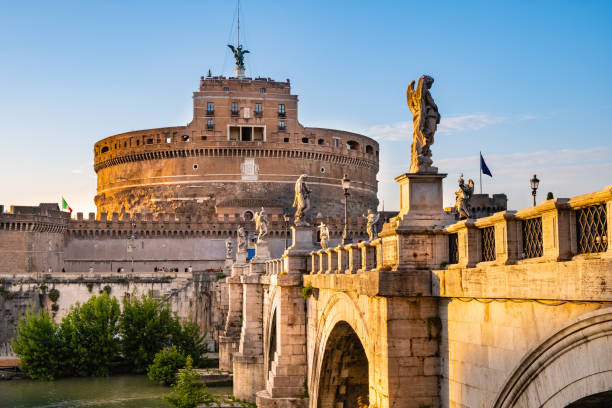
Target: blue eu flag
(483, 167)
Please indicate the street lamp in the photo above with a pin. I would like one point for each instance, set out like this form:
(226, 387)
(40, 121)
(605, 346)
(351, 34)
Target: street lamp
(534, 187)
(346, 184)
(286, 220)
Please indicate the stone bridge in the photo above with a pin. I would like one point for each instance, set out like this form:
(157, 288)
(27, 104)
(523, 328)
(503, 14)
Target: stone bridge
(511, 310)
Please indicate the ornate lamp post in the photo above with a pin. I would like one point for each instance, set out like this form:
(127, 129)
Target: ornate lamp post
(286, 220)
(346, 184)
(534, 187)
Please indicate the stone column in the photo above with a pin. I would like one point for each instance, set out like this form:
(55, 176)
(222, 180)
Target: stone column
(230, 338)
(286, 368)
(248, 361)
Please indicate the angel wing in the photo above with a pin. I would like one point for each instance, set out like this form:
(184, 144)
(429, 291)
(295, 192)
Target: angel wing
(232, 48)
(470, 187)
(245, 51)
(411, 97)
(376, 217)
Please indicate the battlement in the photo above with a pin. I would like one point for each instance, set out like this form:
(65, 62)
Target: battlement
(223, 84)
(46, 217)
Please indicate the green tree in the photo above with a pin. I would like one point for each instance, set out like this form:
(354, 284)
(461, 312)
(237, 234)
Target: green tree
(89, 331)
(166, 364)
(187, 338)
(188, 392)
(38, 346)
(145, 327)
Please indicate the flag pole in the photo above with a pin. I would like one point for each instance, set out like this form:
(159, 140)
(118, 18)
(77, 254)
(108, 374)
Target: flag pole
(480, 165)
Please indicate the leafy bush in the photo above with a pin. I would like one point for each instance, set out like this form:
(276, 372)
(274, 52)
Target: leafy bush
(37, 345)
(166, 364)
(188, 340)
(90, 331)
(54, 295)
(188, 392)
(145, 326)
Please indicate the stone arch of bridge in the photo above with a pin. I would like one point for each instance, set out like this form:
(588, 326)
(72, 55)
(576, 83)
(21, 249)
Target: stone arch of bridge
(571, 366)
(339, 309)
(270, 331)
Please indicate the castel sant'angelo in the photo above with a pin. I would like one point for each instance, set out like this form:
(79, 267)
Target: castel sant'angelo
(243, 150)
(176, 194)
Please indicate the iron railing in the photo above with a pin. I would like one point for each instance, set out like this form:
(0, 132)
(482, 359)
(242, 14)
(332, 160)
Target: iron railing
(592, 229)
(453, 249)
(532, 237)
(487, 240)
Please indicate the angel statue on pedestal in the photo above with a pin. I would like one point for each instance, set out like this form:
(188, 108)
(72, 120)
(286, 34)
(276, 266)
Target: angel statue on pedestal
(324, 235)
(371, 227)
(242, 239)
(301, 201)
(464, 193)
(425, 120)
(261, 224)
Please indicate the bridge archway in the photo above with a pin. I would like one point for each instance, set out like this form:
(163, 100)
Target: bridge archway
(571, 369)
(344, 375)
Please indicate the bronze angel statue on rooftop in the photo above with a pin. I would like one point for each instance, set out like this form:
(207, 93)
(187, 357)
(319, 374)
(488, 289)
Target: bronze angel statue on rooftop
(238, 55)
(425, 120)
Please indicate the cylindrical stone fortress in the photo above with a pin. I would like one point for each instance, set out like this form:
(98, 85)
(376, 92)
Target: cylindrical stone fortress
(243, 150)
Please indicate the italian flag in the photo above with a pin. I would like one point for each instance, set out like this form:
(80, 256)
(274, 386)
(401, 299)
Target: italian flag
(65, 205)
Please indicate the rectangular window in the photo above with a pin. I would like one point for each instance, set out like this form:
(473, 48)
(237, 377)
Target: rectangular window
(487, 243)
(234, 133)
(532, 238)
(262, 90)
(281, 109)
(210, 124)
(453, 249)
(258, 134)
(210, 108)
(226, 89)
(258, 108)
(592, 229)
(336, 142)
(234, 108)
(246, 134)
(168, 139)
(281, 125)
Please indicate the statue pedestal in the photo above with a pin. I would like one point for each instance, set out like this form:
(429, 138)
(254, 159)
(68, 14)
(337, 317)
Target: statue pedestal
(239, 72)
(262, 252)
(241, 257)
(294, 257)
(421, 198)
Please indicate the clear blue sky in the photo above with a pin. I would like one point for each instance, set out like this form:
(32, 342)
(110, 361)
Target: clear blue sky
(527, 83)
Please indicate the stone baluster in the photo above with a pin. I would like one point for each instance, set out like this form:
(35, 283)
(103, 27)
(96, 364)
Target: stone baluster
(322, 261)
(332, 260)
(342, 259)
(314, 263)
(354, 258)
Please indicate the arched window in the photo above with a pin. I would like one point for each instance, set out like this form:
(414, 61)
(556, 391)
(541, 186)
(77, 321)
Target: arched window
(104, 149)
(369, 149)
(352, 145)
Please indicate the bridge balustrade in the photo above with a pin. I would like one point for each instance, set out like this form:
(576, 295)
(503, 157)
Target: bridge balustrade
(558, 229)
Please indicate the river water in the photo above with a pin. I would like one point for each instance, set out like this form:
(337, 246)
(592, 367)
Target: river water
(126, 391)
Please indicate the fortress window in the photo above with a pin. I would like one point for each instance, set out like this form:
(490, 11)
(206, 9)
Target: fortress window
(138, 143)
(262, 90)
(286, 140)
(210, 108)
(115, 145)
(210, 125)
(104, 149)
(322, 169)
(336, 142)
(124, 144)
(195, 166)
(304, 139)
(281, 110)
(168, 139)
(203, 137)
(234, 133)
(185, 138)
(258, 108)
(226, 89)
(234, 108)
(352, 145)
(282, 126)
(258, 134)
(248, 215)
(321, 141)
(246, 134)
(149, 141)
(369, 149)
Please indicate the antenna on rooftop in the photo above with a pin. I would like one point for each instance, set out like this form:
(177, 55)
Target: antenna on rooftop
(238, 51)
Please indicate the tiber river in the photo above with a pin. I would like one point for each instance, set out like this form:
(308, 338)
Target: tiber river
(127, 391)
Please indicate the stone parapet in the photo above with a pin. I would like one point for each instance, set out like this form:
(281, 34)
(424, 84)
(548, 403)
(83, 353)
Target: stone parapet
(554, 230)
